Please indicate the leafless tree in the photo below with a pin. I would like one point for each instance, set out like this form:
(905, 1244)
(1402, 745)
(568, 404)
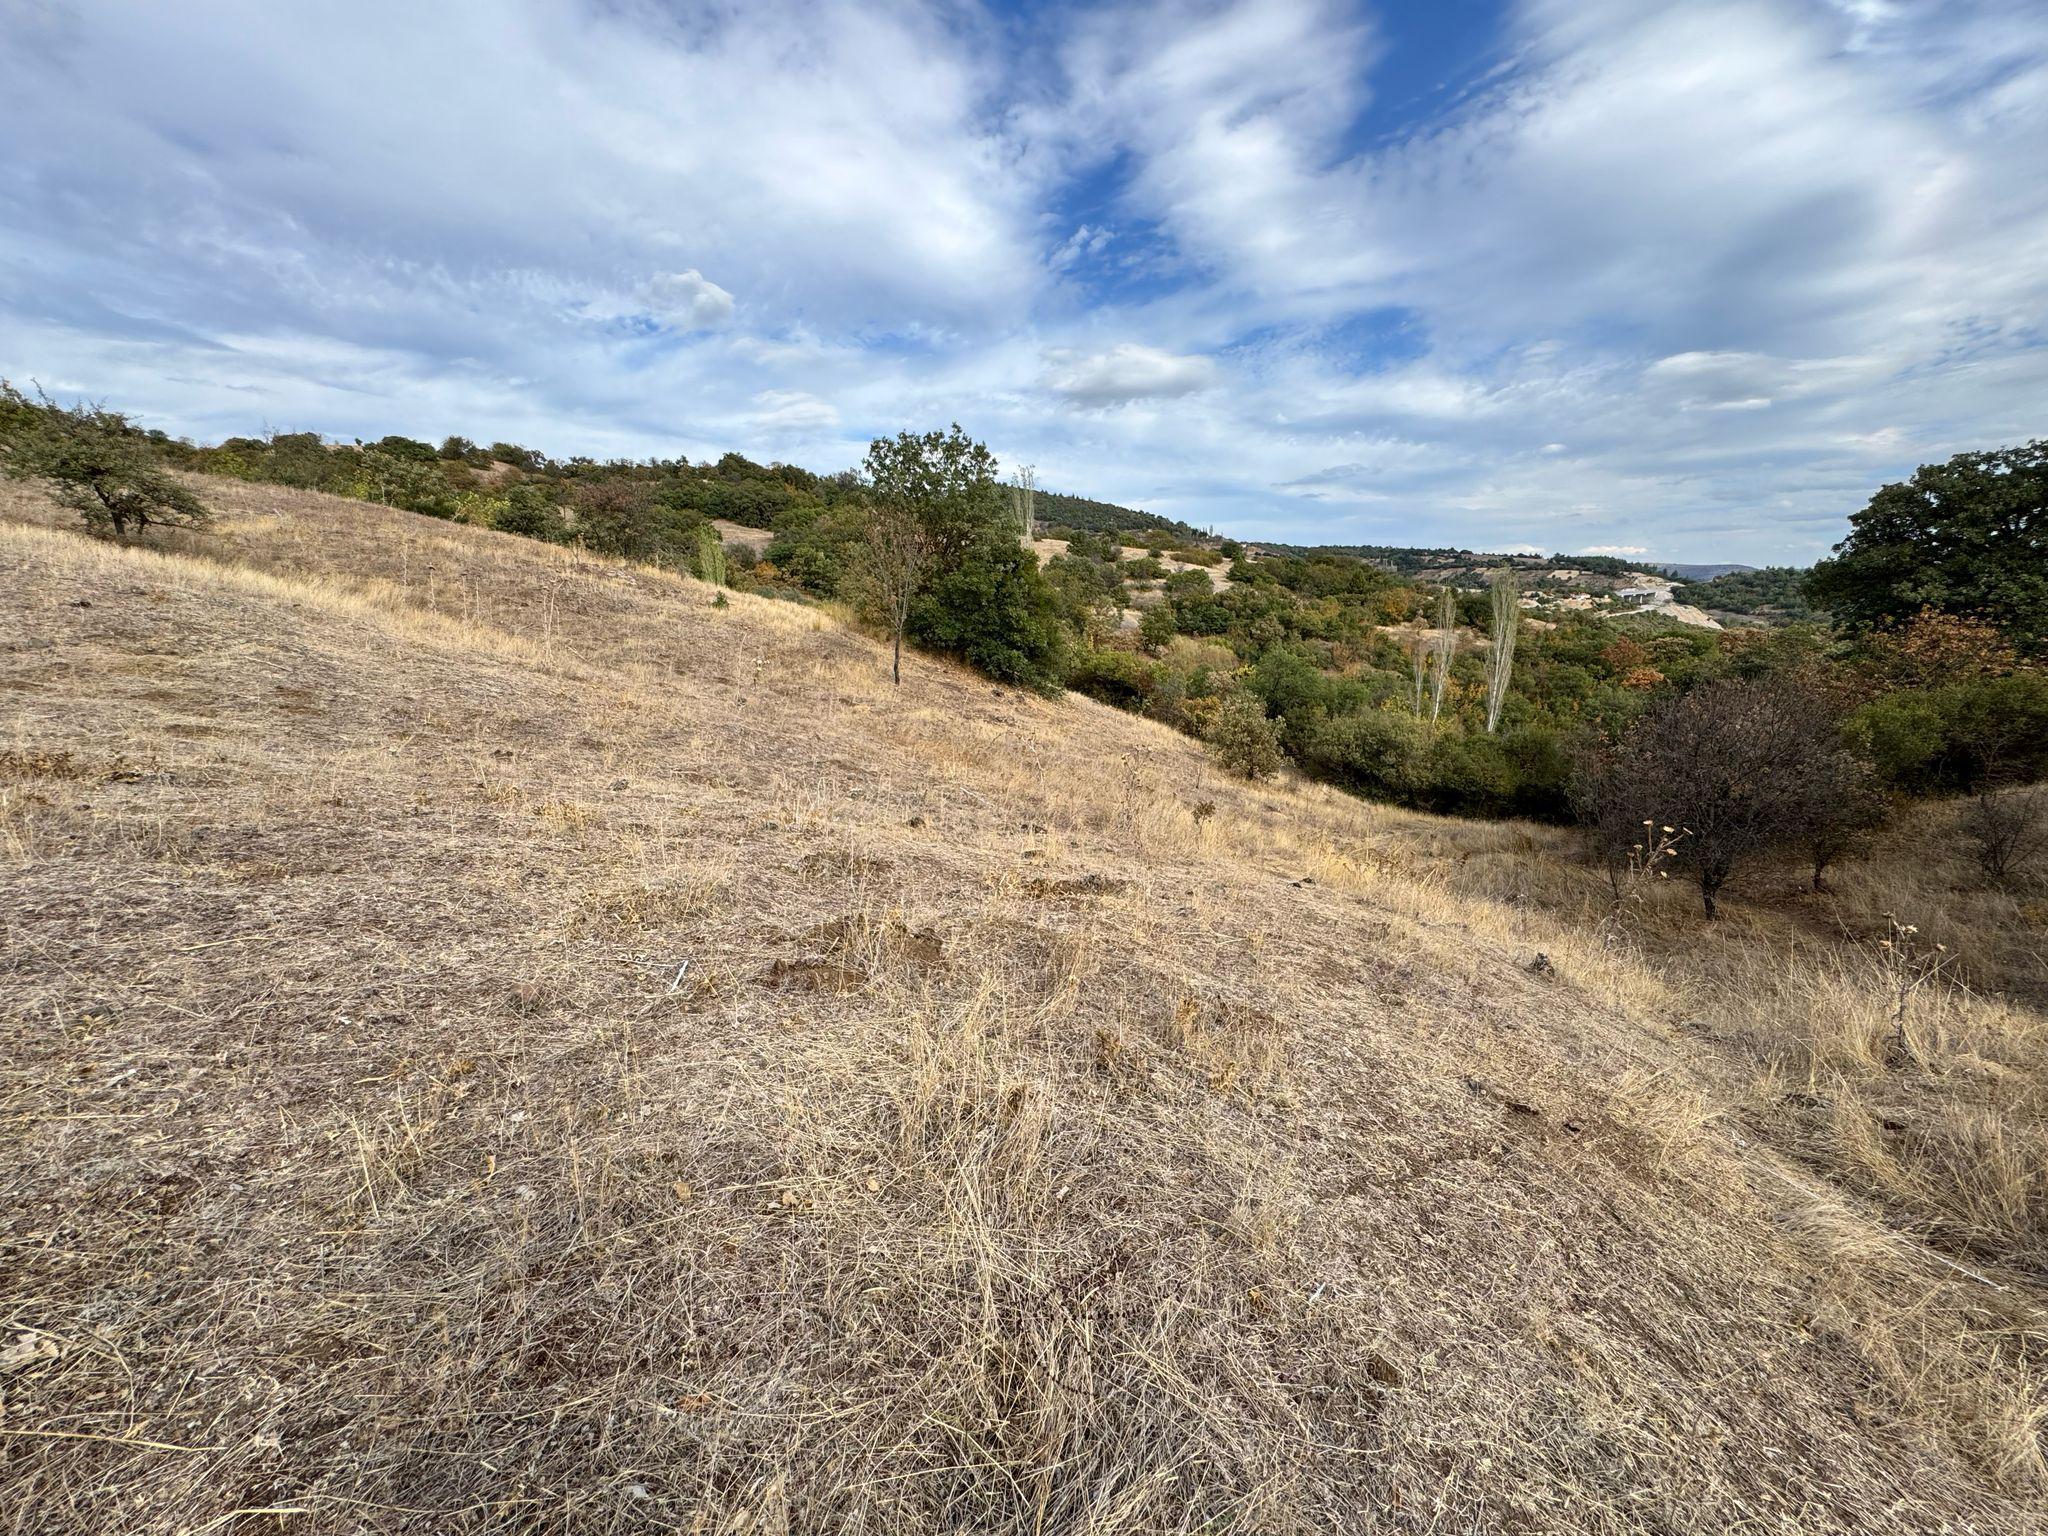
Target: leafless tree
(1418, 660)
(2008, 828)
(1445, 649)
(894, 559)
(1745, 768)
(1024, 502)
(1500, 661)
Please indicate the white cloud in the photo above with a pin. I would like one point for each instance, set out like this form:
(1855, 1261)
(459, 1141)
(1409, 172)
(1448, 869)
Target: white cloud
(1124, 373)
(1747, 258)
(1623, 551)
(690, 297)
(791, 410)
(1087, 240)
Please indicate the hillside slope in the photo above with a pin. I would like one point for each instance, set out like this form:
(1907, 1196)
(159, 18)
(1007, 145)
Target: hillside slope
(496, 1043)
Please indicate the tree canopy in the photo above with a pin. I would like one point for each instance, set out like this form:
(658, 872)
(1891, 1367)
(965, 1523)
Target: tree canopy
(1967, 537)
(98, 464)
(945, 479)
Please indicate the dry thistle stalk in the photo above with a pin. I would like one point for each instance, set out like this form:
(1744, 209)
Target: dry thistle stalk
(1909, 965)
(1631, 880)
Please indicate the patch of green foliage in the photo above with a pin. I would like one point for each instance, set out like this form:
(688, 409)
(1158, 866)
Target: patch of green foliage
(95, 462)
(1778, 591)
(1969, 537)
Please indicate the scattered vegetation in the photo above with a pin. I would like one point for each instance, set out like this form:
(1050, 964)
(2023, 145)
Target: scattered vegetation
(1423, 677)
(95, 463)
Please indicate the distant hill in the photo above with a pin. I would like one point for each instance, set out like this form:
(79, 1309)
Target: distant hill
(1056, 510)
(1698, 572)
(1462, 567)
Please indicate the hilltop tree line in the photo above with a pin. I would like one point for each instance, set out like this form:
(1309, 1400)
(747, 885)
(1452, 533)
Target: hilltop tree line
(1433, 693)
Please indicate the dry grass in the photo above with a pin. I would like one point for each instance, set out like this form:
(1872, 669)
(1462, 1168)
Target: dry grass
(1020, 1149)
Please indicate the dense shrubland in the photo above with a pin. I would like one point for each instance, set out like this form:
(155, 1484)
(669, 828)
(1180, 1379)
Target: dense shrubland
(1371, 669)
(1775, 592)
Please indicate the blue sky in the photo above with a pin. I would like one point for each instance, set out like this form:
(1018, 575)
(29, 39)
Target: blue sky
(1685, 279)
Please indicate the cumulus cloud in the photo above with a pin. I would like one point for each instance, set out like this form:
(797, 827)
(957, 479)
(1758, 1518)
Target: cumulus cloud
(690, 298)
(1624, 551)
(1124, 373)
(1085, 241)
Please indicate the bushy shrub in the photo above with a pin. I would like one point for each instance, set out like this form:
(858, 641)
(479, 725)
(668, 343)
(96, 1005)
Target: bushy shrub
(1468, 775)
(409, 449)
(621, 517)
(1113, 677)
(1244, 741)
(994, 611)
(1373, 752)
(1540, 759)
(1156, 628)
(527, 459)
(413, 484)
(1960, 737)
(530, 512)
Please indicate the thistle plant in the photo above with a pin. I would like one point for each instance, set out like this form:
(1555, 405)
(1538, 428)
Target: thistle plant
(1909, 964)
(1647, 862)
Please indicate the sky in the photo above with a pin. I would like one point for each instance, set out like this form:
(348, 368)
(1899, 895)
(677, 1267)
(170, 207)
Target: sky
(1685, 280)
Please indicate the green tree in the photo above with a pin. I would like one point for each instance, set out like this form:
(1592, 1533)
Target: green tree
(98, 464)
(933, 496)
(1156, 628)
(531, 512)
(1959, 737)
(617, 517)
(947, 479)
(1967, 537)
(994, 610)
(1245, 742)
(711, 555)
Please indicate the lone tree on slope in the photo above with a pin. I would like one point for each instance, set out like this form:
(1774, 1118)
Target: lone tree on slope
(98, 464)
(932, 495)
(1746, 768)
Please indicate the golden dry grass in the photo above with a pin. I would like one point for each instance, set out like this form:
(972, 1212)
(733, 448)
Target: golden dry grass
(1021, 1147)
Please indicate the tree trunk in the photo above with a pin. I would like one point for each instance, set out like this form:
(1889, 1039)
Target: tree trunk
(1708, 890)
(896, 663)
